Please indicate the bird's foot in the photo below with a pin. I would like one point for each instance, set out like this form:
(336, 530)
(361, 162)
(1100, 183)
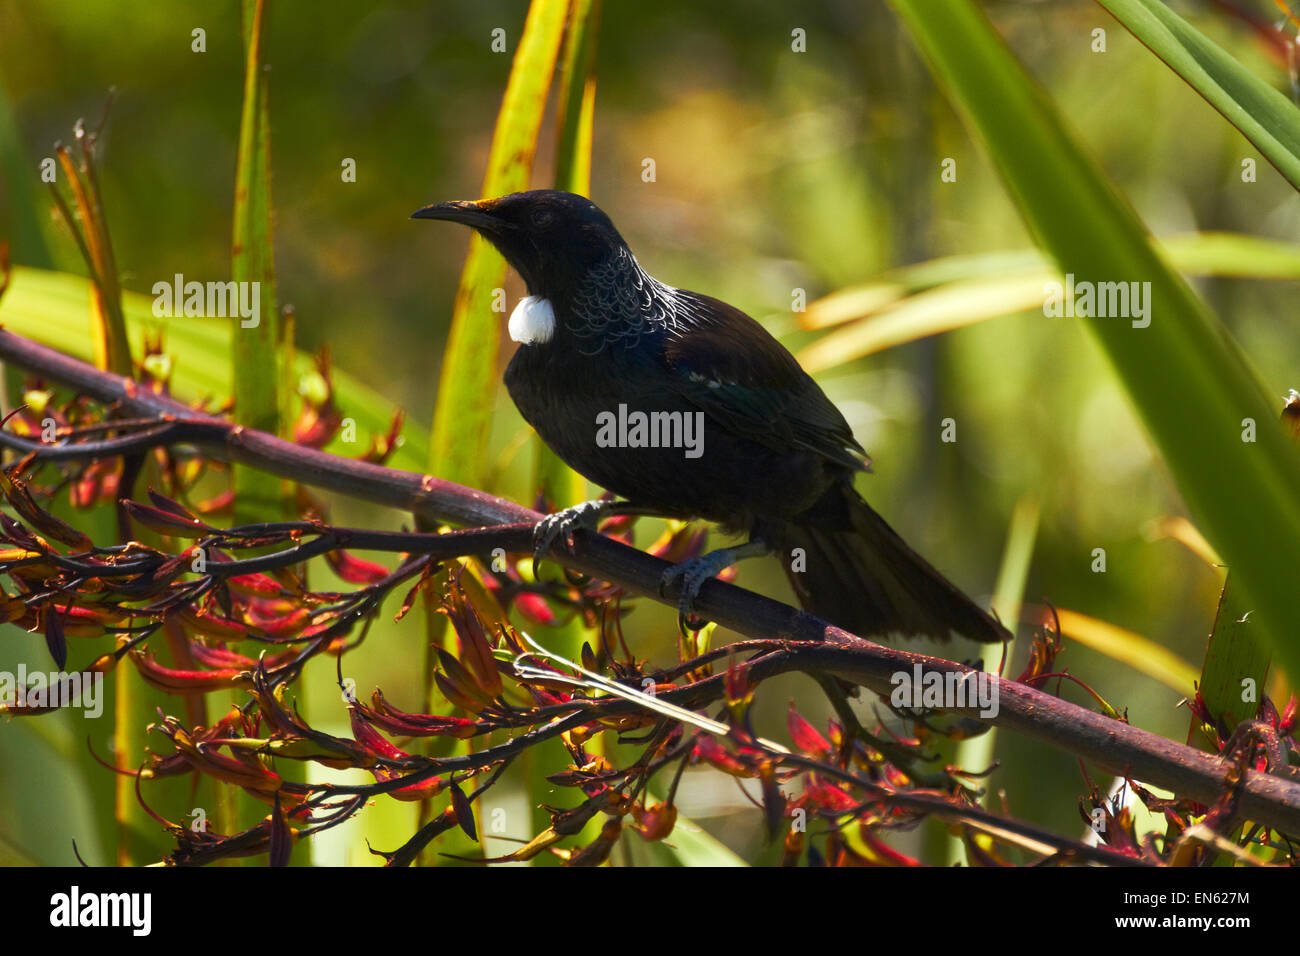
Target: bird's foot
(693, 573)
(564, 523)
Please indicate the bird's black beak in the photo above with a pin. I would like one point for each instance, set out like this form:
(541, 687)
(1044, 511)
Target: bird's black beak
(477, 215)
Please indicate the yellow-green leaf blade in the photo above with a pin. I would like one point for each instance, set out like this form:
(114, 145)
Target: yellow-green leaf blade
(469, 367)
(942, 295)
(1193, 389)
(255, 353)
(1265, 117)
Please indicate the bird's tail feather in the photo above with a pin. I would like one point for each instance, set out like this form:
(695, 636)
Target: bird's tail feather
(860, 575)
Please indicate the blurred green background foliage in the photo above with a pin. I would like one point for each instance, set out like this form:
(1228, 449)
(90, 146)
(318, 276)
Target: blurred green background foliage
(774, 171)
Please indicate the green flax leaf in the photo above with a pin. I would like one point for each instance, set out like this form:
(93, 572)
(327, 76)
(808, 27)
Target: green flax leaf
(257, 373)
(468, 384)
(1265, 117)
(1193, 389)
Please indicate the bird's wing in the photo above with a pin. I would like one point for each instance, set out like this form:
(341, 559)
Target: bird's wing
(733, 370)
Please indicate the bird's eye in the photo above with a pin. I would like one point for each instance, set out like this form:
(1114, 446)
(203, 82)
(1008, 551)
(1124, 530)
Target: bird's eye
(542, 217)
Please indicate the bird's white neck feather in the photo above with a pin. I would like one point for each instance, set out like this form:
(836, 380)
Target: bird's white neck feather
(533, 321)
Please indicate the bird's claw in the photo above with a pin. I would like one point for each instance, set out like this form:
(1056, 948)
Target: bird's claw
(563, 523)
(692, 574)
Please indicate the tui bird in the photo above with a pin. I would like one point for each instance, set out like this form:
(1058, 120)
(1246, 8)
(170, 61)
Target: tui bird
(687, 407)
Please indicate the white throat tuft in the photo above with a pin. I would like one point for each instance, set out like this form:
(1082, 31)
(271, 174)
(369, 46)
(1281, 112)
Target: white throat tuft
(533, 321)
